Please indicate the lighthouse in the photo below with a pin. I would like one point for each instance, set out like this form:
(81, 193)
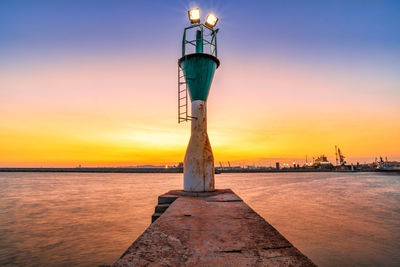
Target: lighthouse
(195, 74)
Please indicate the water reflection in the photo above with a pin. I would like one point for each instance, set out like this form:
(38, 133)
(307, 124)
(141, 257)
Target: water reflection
(64, 219)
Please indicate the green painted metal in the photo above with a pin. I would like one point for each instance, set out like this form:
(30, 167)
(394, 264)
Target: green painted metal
(199, 42)
(199, 72)
(199, 68)
(184, 43)
(208, 38)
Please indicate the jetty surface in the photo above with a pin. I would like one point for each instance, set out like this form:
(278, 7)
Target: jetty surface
(209, 229)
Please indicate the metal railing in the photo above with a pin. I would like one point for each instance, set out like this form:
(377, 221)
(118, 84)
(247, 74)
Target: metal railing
(205, 32)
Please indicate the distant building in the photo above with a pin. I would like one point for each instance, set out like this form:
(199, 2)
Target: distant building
(278, 167)
(322, 163)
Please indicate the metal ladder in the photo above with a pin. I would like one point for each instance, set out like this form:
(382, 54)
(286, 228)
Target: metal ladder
(183, 114)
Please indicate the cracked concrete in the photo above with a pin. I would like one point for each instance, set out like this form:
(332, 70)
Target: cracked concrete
(211, 229)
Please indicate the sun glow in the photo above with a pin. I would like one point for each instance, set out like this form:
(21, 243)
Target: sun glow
(97, 113)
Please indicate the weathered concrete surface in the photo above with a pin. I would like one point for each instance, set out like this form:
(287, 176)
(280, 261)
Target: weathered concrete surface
(199, 160)
(211, 229)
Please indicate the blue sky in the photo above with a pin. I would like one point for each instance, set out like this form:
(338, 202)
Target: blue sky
(248, 27)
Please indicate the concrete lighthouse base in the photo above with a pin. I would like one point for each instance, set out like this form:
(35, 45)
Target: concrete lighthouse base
(199, 159)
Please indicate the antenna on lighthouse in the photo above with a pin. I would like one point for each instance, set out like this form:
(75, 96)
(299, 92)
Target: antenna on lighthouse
(195, 74)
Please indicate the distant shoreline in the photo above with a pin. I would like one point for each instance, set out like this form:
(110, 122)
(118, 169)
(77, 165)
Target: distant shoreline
(96, 169)
(164, 170)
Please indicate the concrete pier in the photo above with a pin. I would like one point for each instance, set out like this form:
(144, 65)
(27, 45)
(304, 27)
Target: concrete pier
(209, 229)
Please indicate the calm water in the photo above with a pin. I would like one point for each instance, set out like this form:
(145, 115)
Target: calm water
(64, 219)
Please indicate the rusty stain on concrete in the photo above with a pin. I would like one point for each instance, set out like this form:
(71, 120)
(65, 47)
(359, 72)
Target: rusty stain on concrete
(199, 159)
(211, 229)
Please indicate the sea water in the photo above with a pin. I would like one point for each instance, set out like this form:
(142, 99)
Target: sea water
(90, 219)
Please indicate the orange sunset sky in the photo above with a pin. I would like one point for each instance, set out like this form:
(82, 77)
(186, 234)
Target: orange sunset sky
(67, 100)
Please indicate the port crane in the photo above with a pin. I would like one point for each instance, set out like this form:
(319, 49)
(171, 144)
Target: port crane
(220, 164)
(339, 157)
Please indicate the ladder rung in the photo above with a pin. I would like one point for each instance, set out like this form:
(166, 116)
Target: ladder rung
(182, 96)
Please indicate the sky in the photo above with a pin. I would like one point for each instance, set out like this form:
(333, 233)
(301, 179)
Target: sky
(94, 83)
